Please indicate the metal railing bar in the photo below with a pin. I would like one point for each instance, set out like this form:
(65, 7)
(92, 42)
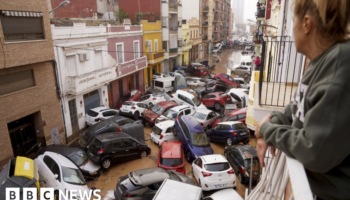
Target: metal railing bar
(295, 62)
(285, 88)
(273, 84)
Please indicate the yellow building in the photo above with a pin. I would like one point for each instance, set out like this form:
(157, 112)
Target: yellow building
(152, 48)
(186, 45)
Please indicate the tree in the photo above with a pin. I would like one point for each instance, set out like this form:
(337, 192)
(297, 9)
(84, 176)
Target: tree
(121, 15)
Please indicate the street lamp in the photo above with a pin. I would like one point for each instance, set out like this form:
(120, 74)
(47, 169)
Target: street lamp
(251, 20)
(62, 4)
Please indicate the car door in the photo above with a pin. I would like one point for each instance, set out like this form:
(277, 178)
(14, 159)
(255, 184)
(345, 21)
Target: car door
(211, 118)
(52, 168)
(205, 100)
(232, 160)
(197, 168)
(116, 150)
(141, 107)
(132, 149)
(146, 99)
(215, 133)
(185, 136)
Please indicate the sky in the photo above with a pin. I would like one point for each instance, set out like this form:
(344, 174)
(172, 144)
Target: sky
(249, 10)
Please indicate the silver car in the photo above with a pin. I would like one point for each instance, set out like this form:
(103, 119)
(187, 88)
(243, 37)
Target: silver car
(243, 70)
(144, 183)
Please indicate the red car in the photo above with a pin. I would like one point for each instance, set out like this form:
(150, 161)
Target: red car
(235, 115)
(151, 115)
(228, 80)
(171, 157)
(134, 95)
(201, 71)
(216, 99)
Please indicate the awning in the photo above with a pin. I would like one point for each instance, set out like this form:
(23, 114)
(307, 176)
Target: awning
(21, 14)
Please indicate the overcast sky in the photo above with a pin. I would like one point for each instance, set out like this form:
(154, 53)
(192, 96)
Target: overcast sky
(249, 9)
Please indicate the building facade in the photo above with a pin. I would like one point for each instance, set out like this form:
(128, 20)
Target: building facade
(152, 48)
(30, 105)
(186, 44)
(207, 17)
(221, 20)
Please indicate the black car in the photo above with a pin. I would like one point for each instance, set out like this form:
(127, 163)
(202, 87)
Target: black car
(239, 158)
(109, 148)
(113, 124)
(210, 88)
(78, 157)
(143, 184)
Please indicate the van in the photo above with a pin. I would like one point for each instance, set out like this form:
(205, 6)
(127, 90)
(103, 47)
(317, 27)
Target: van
(165, 84)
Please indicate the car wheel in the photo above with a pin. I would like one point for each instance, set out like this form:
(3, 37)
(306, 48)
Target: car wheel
(217, 106)
(150, 104)
(188, 157)
(240, 178)
(143, 154)
(106, 163)
(136, 115)
(229, 141)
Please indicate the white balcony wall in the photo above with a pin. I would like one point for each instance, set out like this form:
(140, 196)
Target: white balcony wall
(165, 10)
(179, 11)
(173, 41)
(165, 34)
(179, 32)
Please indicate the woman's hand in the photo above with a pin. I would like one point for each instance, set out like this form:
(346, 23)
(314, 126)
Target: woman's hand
(261, 122)
(261, 148)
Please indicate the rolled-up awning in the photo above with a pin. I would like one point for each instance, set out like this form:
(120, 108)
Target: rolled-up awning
(21, 14)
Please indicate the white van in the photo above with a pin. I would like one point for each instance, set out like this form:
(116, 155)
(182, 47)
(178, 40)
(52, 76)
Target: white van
(165, 84)
(184, 98)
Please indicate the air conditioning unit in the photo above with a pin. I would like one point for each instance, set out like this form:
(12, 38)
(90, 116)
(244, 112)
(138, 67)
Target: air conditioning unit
(148, 43)
(84, 56)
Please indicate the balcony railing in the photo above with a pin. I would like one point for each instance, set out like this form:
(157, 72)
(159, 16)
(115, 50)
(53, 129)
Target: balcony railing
(260, 13)
(173, 50)
(153, 57)
(173, 28)
(24, 36)
(280, 72)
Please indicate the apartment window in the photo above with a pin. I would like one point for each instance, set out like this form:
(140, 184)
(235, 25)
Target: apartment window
(10, 83)
(115, 1)
(120, 53)
(164, 22)
(22, 26)
(165, 45)
(180, 43)
(149, 46)
(71, 65)
(98, 59)
(156, 45)
(136, 49)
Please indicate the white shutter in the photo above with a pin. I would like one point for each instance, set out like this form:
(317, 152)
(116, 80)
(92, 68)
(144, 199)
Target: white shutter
(156, 46)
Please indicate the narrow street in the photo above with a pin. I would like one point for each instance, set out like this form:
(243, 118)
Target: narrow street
(108, 179)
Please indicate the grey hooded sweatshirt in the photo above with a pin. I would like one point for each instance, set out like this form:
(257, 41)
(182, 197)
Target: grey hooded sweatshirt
(315, 127)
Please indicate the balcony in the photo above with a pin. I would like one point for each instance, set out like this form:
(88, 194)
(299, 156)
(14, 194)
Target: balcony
(186, 46)
(173, 5)
(173, 52)
(173, 29)
(155, 57)
(205, 9)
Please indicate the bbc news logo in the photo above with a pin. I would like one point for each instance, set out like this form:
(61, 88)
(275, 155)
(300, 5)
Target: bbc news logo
(49, 194)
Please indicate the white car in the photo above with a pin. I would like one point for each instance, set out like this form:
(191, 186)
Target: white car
(217, 48)
(163, 131)
(206, 117)
(185, 98)
(98, 114)
(239, 95)
(153, 99)
(213, 172)
(133, 109)
(173, 74)
(159, 75)
(60, 173)
(225, 194)
(173, 112)
(242, 82)
(196, 81)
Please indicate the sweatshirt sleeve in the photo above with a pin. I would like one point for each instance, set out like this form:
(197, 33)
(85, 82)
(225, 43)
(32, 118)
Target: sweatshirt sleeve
(323, 142)
(284, 117)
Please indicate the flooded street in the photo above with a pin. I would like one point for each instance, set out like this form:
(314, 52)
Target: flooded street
(108, 179)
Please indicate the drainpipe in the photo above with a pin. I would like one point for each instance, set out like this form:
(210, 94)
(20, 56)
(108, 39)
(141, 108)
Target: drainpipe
(58, 92)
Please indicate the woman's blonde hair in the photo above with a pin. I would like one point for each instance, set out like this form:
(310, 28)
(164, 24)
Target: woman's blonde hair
(332, 17)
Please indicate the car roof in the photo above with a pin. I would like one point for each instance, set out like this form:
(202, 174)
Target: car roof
(216, 93)
(196, 64)
(153, 91)
(226, 194)
(108, 136)
(100, 109)
(167, 104)
(148, 176)
(238, 111)
(247, 151)
(242, 79)
(214, 158)
(165, 124)
(230, 122)
(186, 94)
(63, 161)
(192, 124)
(165, 79)
(171, 150)
(94, 128)
(60, 149)
(204, 111)
(178, 108)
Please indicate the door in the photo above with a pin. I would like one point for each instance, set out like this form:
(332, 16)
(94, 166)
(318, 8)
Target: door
(116, 150)
(110, 97)
(73, 115)
(215, 133)
(211, 118)
(146, 99)
(233, 161)
(50, 169)
(23, 138)
(197, 168)
(130, 82)
(131, 149)
(91, 100)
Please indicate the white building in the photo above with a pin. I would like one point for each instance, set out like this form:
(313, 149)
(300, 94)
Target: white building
(238, 10)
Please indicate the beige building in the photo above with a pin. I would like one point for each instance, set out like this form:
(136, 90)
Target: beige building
(207, 18)
(221, 20)
(30, 106)
(196, 53)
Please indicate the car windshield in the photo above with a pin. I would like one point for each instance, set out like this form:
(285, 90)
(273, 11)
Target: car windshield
(169, 113)
(200, 139)
(238, 126)
(92, 113)
(79, 158)
(157, 130)
(72, 176)
(157, 109)
(127, 103)
(196, 101)
(84, 138)
(157, 74)
(223, 95)
(97, 143)
(199, 115)
(217, 167)
(171, 162)
(224, 119)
